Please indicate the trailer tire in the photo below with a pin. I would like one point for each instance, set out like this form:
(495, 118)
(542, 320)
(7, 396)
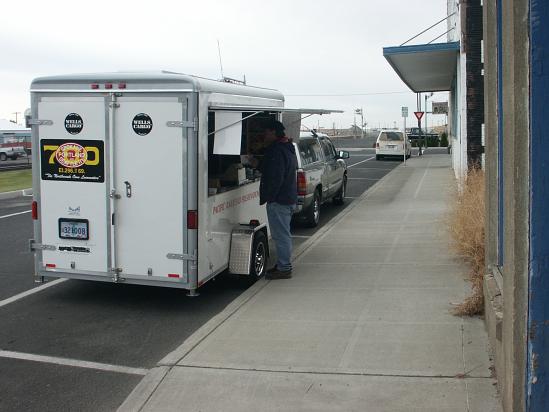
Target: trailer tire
(260, 253)
(3, 157)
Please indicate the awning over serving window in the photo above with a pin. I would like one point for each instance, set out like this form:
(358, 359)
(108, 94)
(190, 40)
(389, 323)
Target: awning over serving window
(272, 109)
(425, 67)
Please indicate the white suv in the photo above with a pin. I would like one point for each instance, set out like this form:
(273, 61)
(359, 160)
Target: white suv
(391, 144)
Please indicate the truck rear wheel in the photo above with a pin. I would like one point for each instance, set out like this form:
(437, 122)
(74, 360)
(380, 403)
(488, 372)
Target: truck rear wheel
(312, 214)
(3, 157)
(339, 198)
(258, 259)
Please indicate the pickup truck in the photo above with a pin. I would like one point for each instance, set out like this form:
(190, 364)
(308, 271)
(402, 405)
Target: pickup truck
(12, 152)
(321, 175)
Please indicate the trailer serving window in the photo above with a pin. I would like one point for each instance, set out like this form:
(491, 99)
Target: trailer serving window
(234, 139)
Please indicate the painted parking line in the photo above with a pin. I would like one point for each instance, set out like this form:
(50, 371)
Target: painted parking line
(362, 178)
(31, 292)
(357, 163)
(15, 214)
(301, 236)
(106, 367)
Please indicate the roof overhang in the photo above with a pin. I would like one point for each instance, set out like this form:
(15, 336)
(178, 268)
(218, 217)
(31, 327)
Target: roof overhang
(425, 67)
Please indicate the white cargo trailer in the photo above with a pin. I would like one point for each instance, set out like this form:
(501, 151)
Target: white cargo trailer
(138, 177)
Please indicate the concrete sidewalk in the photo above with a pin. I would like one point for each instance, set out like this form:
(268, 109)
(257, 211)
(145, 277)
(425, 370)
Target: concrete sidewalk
(364, 325)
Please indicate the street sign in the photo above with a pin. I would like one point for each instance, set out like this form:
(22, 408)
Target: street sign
(440, 108)
(404, 111)
(419, 115)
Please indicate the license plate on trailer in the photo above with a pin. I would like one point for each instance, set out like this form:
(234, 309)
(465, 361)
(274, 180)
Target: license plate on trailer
(74, 229)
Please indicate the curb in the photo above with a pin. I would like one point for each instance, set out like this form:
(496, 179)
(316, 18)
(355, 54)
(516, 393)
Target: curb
(137, 399)
(16, 193)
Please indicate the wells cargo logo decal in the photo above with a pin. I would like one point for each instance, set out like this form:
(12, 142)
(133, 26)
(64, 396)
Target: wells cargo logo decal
(142, 124)
(72, 161)
(74, 123)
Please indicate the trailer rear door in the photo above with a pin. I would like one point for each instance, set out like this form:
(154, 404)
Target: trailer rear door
(149, 178)
(73, 189)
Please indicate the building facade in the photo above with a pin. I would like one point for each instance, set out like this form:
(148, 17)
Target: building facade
(516, 288)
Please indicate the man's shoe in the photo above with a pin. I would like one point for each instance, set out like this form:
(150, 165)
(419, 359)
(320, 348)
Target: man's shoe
(274, 273)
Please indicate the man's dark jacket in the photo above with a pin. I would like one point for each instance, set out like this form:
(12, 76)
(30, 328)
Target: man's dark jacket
(278, 174)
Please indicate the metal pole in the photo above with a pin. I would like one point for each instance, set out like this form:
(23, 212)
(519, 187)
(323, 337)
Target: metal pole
(425, 122)
(405, 141)
(419, 122)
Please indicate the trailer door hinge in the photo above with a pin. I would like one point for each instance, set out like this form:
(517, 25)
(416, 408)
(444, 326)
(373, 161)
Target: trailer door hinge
(33, 246)
(189, 125)
(181, 256)
(39, 122)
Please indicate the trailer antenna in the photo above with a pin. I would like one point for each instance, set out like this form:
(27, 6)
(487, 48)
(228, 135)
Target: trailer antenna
(220, 62)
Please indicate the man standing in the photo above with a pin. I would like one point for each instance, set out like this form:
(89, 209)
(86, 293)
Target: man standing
(278, 188)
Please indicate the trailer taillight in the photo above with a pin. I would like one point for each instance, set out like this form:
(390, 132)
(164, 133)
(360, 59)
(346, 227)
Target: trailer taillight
(94, 86)
(51, 265)
(108, 85)
(121, 85)
(35, 210)
(192, 219)
(301, 183)
(173, 275)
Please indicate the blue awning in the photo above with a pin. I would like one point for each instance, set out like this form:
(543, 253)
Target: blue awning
(425, 67)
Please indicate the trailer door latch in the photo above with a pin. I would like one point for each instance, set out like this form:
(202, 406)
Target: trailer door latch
(113, 194)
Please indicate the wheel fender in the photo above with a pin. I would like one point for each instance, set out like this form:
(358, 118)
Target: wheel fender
(242, 238)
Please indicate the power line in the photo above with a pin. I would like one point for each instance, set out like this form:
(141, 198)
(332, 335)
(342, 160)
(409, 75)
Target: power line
(345, 94)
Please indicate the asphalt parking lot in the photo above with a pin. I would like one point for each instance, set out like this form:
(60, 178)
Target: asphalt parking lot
(83, 346)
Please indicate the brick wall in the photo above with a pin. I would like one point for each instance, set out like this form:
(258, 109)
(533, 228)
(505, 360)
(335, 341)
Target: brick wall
(472, 37)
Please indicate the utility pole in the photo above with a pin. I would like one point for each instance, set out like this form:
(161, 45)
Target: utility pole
(15, 113)
(360, 112)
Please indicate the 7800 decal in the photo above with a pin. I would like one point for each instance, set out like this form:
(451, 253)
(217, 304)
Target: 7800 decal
(79, 161)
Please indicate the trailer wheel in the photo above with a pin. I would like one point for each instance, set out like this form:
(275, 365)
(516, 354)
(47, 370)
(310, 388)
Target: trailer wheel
(258, 263)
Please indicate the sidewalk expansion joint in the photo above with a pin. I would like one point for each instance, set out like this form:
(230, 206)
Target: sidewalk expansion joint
(459, 376)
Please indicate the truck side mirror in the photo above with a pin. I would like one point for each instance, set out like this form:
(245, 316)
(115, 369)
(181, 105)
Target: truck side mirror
(342, 154)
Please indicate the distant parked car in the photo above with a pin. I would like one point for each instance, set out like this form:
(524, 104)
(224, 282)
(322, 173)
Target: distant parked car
(321, 175)
(391, 144)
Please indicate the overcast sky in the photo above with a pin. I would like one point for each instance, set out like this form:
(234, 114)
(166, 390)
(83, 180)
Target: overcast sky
(320, 54)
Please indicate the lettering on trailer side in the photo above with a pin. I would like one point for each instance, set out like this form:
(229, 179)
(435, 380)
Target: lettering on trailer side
(220, 207)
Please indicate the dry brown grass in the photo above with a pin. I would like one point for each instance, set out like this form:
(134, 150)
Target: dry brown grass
(466, 226)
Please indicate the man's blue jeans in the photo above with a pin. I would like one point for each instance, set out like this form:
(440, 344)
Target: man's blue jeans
(280, 217)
